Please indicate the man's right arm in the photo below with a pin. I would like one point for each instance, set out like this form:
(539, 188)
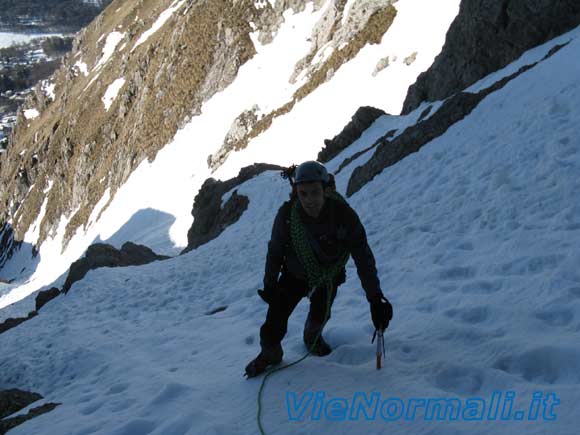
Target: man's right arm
(275, 256)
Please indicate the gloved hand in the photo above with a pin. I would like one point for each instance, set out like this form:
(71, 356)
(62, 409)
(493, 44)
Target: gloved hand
(270, 294)
(381, 313)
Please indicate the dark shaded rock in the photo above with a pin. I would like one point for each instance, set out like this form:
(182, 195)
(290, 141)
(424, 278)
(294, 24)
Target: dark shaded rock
(43, 297)
(360, 121)
(136, 255)
(13, 322)
(209, 218)
(486, 36)
(216, 310)
(425, 113)
(6, 242)
(14, 400)
(413, 138)
(103, 255)
(355, 156)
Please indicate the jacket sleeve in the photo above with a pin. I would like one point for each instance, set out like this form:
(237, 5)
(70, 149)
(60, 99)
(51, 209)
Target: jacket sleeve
(275, 256)
(363, 256)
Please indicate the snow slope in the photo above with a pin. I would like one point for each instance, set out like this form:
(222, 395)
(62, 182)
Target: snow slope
(475, 238)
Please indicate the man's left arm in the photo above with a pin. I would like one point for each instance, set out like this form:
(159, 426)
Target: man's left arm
(363, 256)
(381, 308)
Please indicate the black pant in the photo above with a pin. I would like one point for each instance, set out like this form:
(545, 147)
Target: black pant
(292, 291)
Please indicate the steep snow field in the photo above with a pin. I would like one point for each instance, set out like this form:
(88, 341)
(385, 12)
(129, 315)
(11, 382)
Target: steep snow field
(144, 212)
(476, 241)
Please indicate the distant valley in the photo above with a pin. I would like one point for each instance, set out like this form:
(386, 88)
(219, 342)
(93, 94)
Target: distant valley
(34, 35)
(41, 16)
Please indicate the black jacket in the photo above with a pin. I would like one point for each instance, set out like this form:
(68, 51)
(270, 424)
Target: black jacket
(337, 228)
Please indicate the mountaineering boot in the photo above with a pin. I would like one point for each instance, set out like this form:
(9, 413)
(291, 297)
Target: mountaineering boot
(266, 358)
(311, 331)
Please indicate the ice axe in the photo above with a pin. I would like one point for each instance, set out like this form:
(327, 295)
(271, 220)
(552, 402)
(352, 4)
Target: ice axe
(380, 347)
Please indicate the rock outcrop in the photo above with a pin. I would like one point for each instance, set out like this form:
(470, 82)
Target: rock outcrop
(360, 121)
(14, 400)
(336, 39)
(210, 219)
(486, 36)
(97, 255)
(240, 128)
(103, 255)
(45, 296)
(483, 38)
(414, 138)
(42, 298)
(13, 322)
(6, 243)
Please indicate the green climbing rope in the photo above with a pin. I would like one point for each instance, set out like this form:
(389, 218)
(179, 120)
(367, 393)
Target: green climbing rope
(317, 276)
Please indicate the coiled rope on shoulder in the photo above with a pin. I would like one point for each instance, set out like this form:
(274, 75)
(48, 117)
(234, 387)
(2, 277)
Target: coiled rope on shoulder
(317, 276)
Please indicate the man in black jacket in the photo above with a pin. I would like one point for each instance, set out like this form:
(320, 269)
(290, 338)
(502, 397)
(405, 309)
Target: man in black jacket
(312, 238)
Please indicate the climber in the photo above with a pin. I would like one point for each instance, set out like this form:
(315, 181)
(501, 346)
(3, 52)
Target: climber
(313, 235)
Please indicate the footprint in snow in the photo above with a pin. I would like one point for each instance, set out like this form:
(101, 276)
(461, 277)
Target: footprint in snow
(555, 316)
(86, 398)
(170, 393)
(121, 404)
(92, 408)
(472, 335)
(447, 288)
(458, 273)
(459, 379)
(426, 306)
(402, 352)
(138, 426)
(545, 364)
(471, 315)
(90, 429)
(531, 265)
(353, 355)
(118, 388)
(482, 287)
(180, 425)
(465, 246)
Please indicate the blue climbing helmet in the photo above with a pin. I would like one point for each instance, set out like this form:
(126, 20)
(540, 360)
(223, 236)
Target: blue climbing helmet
(311, 171)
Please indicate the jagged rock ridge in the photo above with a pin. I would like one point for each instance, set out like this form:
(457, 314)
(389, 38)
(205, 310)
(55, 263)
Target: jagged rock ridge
(485, 37)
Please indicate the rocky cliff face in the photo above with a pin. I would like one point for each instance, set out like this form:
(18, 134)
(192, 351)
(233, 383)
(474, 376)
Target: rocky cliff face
(210, 217)
(339, 32)
(138, 73)
(486, 36)
(79, 147)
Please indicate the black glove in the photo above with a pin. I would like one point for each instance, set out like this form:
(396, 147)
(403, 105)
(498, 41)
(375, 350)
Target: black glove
(381, 313)
(270, 294)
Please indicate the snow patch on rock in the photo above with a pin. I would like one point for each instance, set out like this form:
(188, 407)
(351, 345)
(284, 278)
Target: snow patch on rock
(112, 92)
